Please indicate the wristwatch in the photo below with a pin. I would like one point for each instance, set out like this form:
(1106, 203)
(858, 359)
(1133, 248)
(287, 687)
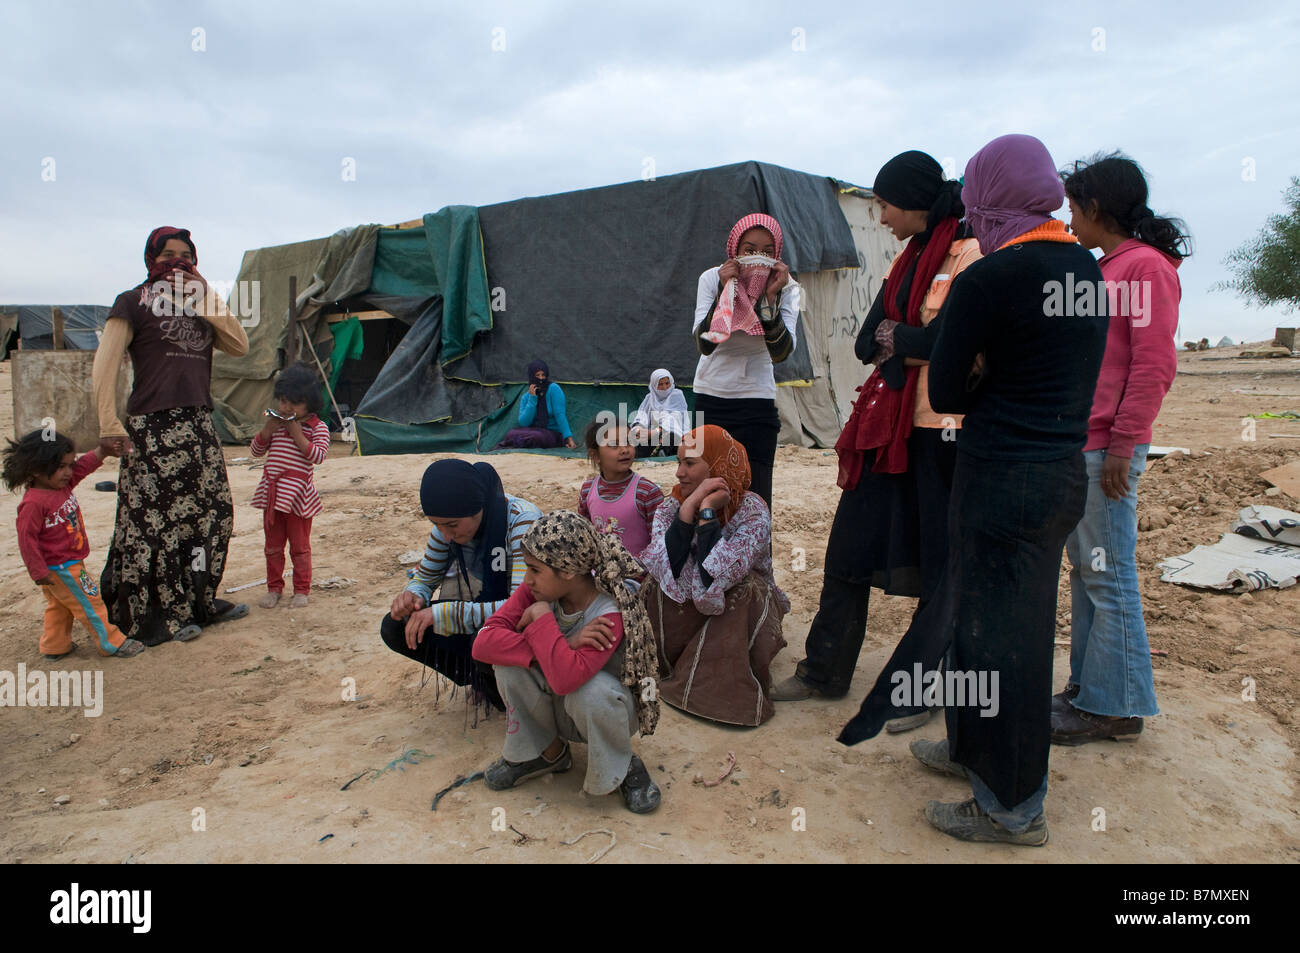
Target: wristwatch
(706, 514)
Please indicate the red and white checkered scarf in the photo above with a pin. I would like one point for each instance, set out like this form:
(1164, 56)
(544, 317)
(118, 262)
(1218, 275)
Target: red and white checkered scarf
(735, 311)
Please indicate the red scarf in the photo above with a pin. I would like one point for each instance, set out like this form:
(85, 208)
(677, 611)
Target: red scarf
(882, 417)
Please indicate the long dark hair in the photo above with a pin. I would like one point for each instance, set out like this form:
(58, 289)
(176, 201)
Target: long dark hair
(1119, 187)
(299, 384)
(33, 456)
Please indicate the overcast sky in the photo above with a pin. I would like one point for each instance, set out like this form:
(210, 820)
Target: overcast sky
(235, 119)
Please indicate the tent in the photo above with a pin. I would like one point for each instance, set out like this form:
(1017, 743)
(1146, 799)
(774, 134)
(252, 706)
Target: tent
(34, 325)
(437, 320)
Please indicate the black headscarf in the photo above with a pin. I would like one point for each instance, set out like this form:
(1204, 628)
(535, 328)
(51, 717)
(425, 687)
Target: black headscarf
(913, 181)
(454, 488)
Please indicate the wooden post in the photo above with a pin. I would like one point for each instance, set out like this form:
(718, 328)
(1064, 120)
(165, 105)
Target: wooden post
(57, 314)
(291, 346)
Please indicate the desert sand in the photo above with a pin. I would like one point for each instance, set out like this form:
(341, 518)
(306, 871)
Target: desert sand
(235, 747)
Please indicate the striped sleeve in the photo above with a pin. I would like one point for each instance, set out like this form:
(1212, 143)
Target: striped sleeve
(648, 498)
(320, 442)
(583, 511)
(428, 575)
(453, 618)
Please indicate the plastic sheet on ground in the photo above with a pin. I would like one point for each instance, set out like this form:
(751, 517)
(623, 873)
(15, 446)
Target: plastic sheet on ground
(1261, 552)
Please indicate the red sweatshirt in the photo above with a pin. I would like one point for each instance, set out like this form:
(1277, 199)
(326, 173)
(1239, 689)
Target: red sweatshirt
(51, 531)
(566, 670)
(1141, 357)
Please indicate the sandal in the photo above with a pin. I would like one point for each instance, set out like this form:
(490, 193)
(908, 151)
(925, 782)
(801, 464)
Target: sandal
(129, 649)
(224, 611)
(54, 658)
(188, 634)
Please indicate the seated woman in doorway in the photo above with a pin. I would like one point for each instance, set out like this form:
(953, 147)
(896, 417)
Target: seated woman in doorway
(714, 604)
(662, 418)
(542, 420)
(474, 558)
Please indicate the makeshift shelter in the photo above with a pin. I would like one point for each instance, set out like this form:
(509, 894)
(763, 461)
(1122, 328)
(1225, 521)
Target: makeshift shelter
(33, 324)
(600, 283)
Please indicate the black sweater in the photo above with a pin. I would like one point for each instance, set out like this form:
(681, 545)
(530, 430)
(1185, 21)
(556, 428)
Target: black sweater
(1035, 396)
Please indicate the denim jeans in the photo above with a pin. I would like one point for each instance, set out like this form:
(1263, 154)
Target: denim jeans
(1016, 819)
(1110, 658)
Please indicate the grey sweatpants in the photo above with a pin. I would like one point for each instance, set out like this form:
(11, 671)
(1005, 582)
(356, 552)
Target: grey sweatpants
(600, 714)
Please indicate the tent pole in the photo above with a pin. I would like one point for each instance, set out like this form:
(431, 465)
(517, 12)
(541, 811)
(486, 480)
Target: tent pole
(326, 378)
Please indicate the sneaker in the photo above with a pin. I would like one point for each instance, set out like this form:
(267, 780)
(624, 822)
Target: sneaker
(639, 793)
(967, 821)
(896, 726)
(1078, 727)
(129, 649)
(934, 755)
(503, 775)
(1061, 700)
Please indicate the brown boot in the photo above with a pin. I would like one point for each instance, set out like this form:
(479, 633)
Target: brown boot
(1076, 727)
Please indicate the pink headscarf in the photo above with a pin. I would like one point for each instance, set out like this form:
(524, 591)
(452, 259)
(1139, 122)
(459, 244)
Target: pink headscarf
(735, 310)
(1011, 186)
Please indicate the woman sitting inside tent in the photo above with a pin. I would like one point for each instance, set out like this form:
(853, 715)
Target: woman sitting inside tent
(542, 421)
(475, 561)
(713, 601)
(661, 419)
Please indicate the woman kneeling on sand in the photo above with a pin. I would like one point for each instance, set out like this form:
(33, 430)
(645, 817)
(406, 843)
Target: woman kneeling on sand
(475, 561)
(713, 601)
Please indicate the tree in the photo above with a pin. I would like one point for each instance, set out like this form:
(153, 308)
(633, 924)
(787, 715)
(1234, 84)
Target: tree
(1266, 270)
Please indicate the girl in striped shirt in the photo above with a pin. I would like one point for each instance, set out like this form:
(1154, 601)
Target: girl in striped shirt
(616, 500)
(294, 442)
(474, 559)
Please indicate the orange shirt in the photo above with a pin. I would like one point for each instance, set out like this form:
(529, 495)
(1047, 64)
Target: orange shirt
(960, 254)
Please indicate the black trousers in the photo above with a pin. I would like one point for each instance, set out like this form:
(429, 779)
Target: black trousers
(449, 655)
(836, 636)
(755, 423)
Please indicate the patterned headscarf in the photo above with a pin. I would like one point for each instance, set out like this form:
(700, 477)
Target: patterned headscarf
(726, 458)
(735, 308)
(154, 244)
(567, 542)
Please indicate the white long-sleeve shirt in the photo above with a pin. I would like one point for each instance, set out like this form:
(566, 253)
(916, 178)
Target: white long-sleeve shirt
(740, 366)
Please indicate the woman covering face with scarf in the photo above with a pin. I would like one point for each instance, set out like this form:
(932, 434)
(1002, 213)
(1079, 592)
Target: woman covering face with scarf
(896, 454)
(543, 422)
(714, 603)
(1018, 486)
(473, 558)
(746, 313)
(174, 511)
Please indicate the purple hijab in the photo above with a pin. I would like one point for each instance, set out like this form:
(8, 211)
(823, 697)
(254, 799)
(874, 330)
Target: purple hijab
(1011, 186)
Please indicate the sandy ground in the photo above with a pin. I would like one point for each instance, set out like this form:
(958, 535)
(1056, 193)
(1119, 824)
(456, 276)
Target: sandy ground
(245, 734)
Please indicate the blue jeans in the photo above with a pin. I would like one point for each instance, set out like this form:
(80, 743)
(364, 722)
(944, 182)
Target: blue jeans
(1016, 819)
(1110, 658)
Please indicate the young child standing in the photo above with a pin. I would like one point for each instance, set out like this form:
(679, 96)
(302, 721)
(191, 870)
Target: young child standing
(616, 500)
(52, 541)
(575, 660)
(293, 443)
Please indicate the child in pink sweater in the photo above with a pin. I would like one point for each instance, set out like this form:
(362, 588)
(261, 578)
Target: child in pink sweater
(1111, 687)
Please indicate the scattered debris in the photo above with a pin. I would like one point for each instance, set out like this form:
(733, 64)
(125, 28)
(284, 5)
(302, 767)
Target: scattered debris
(1155, 453)
(333, 582)
(459, 782)
(1286, 479)
(731, 765)
(410, 557)
(325, 838)
(600, 853)
(534, 811)
(247, 585)
(410, 756)
(63, 799)
(523, 838)
(1261, 552)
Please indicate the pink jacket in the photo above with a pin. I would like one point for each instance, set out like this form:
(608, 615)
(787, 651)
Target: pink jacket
(1141, 356)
